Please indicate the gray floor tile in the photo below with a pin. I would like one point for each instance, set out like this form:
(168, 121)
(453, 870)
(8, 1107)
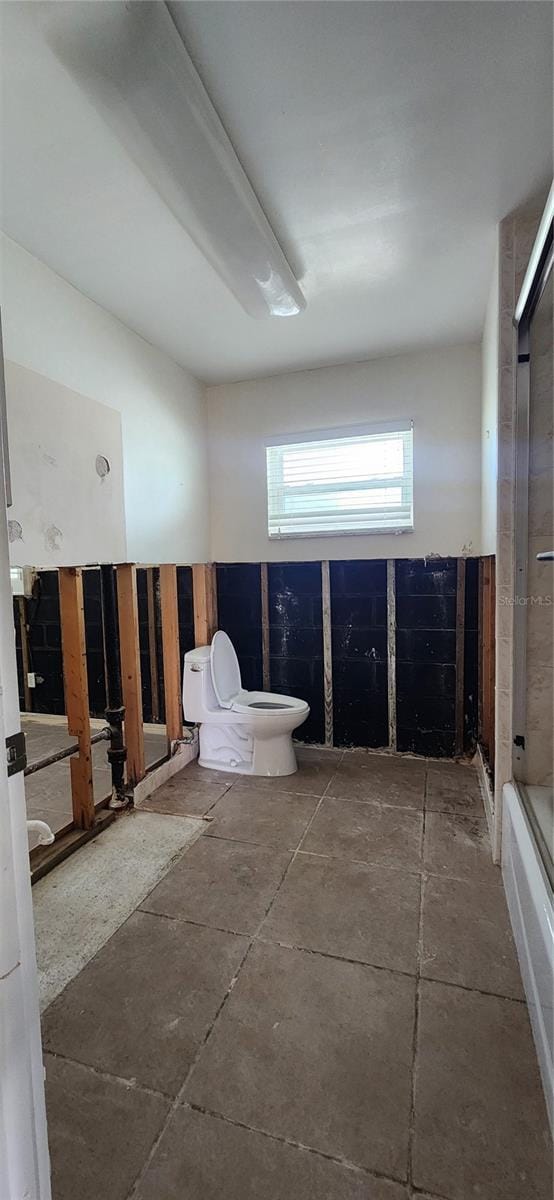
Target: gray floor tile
(312, 753)
(454, 789)
(467, 937)
(270, 818)
(367, 833)
(459, 847)
(358, 912)
(125, 1121)
(481, 1127)
(388, 764)
(315, 770)
(225, 884)
(201, 1157)
(385, 782)
(206, 775)
(318, 1051)
(182, 796)
(141, 1008)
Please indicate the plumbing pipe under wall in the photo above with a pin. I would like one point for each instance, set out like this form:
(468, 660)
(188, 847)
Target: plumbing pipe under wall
(121, 797)
(45, 835)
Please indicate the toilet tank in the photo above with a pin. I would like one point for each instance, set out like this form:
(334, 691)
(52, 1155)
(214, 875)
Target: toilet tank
(198, 693)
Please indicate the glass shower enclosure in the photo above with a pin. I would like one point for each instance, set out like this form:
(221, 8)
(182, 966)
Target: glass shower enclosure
(533, 716)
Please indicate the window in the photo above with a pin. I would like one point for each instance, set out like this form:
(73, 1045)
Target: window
(339, 481)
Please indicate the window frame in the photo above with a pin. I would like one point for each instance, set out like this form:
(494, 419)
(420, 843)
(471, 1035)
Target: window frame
(305, 437)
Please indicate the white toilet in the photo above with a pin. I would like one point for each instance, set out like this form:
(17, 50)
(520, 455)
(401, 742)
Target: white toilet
(246, 732)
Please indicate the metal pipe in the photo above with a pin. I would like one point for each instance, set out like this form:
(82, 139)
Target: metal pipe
(103, 736)
(115, 712)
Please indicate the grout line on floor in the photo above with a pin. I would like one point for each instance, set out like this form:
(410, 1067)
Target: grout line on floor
(419, 950)
(366, 1172)
(109, 1076)
(356, 962)
(252, 938)
(180, 1094)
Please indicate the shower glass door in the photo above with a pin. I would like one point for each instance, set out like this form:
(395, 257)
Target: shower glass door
(534, 611)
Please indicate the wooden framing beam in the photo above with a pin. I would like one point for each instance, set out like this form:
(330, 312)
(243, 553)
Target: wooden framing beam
(131, 682)
(72, 615)
(171, 653)
(204, 593)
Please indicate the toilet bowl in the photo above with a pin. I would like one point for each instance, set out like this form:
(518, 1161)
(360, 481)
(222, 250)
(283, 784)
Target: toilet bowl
(246, 732)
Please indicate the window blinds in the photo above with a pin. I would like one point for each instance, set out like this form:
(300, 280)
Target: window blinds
(358, 483)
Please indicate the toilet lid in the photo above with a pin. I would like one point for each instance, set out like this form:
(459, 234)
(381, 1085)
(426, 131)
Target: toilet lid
(225, 669)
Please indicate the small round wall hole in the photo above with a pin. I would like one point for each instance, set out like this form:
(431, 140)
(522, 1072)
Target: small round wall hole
(102, 466)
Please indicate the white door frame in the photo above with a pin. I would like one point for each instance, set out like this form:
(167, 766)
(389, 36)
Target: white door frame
(24, 1160)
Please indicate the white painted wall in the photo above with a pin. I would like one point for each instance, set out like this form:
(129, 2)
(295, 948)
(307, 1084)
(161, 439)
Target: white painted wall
(50, 328)
(489, 414)
(66, 512)
(440, 389)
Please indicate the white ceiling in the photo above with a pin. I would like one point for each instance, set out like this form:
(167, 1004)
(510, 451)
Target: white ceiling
(384, 140)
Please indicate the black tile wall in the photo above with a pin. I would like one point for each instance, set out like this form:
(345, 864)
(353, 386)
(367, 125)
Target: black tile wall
(239, 614)
(426, 655)
(18, 655)
(45, 654)
(471, 654)
(186, 615)
(142, 605)
(359, 652)
(144, 646)
(94, 637)
(296, 640)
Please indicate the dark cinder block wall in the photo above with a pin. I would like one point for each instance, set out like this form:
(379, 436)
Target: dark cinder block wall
(359, 652)
(426, 655)
(296, 639)
(44, 640)
(425, 646)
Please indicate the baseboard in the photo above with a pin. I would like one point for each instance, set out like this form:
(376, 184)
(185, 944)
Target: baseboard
(185, 753)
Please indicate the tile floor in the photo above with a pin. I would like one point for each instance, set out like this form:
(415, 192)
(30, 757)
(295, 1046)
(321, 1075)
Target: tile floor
(319, 1001)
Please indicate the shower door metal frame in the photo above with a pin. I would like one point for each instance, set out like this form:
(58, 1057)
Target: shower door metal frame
(538, 271)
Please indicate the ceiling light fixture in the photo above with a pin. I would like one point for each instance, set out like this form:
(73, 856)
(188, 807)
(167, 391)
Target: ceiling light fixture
(131, 61)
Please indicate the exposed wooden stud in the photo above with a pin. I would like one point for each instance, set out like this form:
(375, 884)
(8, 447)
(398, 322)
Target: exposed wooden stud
(460, 645)
(131, 682)
(72, 616)
(391, 650)
(152, 644)
(24, 637)
(265, 626)
(327, 652)
(205, 602)
(488, 652)
(171, 653)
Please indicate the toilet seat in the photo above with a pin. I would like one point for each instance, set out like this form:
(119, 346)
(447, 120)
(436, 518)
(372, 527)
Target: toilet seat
(225, 670)
(269, 703)
(227, 683)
